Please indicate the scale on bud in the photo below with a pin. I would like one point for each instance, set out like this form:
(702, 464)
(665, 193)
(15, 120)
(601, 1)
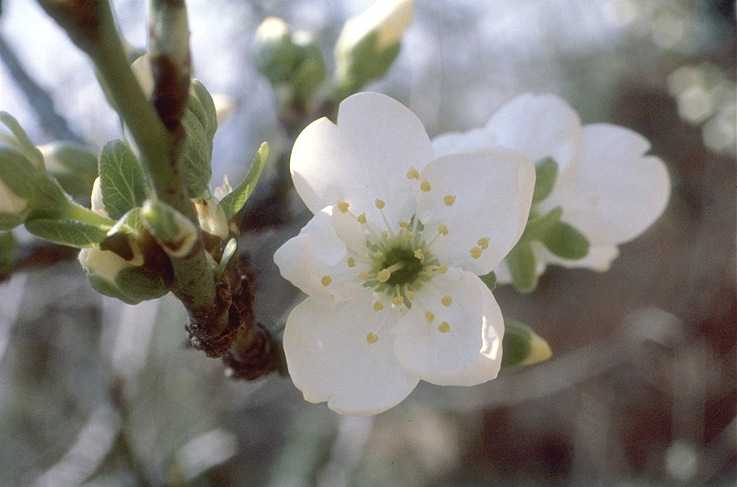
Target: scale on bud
(292, 61)
(173, 231)
(369, 43)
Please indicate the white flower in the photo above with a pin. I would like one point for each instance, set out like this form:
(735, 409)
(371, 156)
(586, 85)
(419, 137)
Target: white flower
(388, 19)
(391, 257)
(607, 187)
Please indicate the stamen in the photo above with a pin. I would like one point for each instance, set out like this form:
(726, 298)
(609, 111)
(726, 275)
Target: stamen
(326, 280)
(372, 338)
(483, 243)
(384, 274)
(343, 206)
(380, 204)
(413, 173)
(449, 199)
(442, 229)
(397, 300)
(378, 306)
(351, 262)
(425, 186)
(446, 300)
(444, 327)
(475, 252)
(429, 316)
(362, 218)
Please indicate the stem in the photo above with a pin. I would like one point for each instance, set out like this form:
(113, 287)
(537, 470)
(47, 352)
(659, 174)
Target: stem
(91, 26)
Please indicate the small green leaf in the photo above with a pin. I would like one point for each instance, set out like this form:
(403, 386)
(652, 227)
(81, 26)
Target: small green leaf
(200, 123)
(48, 195)
(22, 142)
(138, 284)
(565, 241)
(122, 180)
(66, 232)
(236, 200)
(546, 173)
(522, 267)
(7, 251)
(490, 280)
(539, 226)
(522, 346)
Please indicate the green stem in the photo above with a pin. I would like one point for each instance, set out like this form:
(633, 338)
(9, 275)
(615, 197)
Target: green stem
(91, 26)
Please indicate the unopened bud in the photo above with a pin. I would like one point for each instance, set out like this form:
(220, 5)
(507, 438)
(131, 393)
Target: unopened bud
(173, 231)
(211, 217)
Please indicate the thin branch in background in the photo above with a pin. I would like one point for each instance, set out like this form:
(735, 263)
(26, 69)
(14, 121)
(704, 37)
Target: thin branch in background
(36, 96)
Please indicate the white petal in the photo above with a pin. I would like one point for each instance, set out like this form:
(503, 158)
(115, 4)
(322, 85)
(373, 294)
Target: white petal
(617, 191)
(455, 142)
(539, 126)
(316, 261)
(330, 359)
(466, 352)
(364, 158)
(599, 258)
(492, 193)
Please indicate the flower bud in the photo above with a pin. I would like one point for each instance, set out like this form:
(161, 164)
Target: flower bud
(172, 230)
(369, 43)
(292, 61)
(141, 68)
(211, 217)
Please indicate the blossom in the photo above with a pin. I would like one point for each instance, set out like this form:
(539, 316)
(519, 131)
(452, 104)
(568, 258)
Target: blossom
(387, 19)
(391, 258)
(607, 186)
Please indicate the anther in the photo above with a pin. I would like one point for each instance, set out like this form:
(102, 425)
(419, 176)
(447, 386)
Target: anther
(372, 338)
(475, 252)
(419, 255)
(343, 206)
(351, 262)
(413, 174)
(449, 199)
(483, 243)
(425, 186)
(444, 327)
(362, 218)
(378, 306)
(446, 300)
(442, 229)
(429, 316)
(380, 204)
(326, 280)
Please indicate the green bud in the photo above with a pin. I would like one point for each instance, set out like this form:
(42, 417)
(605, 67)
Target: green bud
(72, 165)
(522, 346)
(172, 230)
(291, 61)
(546, 173)
(565, 241)
(369, 43)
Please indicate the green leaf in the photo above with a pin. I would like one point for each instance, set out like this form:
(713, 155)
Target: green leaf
(122, 180)
(522, 346)
(539, 226)
(490, 280)
(7, 251)
(546, 173)
(48, 195)
(236, 199)
(200, 123)
(565, 241)
(522, 267)
(9, 222)
(16, 172)
(66, 232)
(74, 167)
(22, 142)
(138, 284)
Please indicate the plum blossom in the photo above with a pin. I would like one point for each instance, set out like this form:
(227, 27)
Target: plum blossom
(607, 186)
(391, 257)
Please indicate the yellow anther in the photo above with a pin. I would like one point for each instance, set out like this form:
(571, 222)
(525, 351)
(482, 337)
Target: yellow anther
(398, 300)
(372, 338)
(429, 316)
(413, 174)
(410, 294)
(380, 204)
(419, 255)
(483, 243)
(475, 252)
(343, 206)
(442, 269)
(403, 225)
(351, 262)
(446, 300)
(326, 280)
(442, 229)
(362, 218)
(449, 199)
(378, 306)
(425, 186)
(444, 327)
(383, 275)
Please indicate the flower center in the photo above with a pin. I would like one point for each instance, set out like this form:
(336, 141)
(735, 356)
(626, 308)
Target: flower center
(405, 266)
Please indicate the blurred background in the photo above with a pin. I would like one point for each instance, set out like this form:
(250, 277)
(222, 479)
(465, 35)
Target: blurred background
(642, 389)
